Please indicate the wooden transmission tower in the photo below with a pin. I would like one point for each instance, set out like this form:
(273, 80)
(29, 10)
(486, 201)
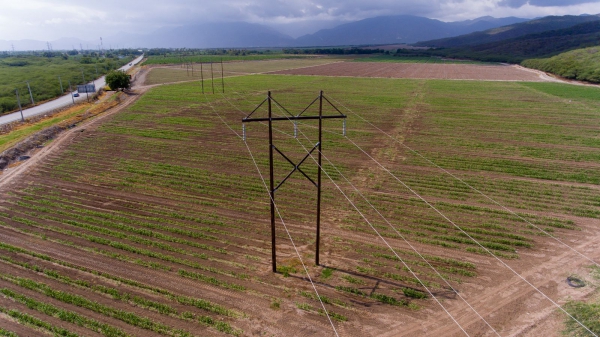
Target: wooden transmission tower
(318, 146)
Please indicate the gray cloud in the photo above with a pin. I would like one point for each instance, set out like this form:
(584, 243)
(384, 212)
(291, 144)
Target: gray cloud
(544, 3)
(50, 19)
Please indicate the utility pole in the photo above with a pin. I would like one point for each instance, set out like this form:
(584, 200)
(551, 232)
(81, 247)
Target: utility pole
(19, 102)
(319, 180)
(87, 94)
(222, 82)
(272, 186)
(13, 48)
(61, 87)
(71, 91)
(30, 94)
(212, 77)
(202, 76)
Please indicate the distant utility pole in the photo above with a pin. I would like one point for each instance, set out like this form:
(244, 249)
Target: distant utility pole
(87, 94)
(71, 91)
(212, 77)
(13, 48)
(30, 94)
(202, 76)
(222, 82)
(81, 47)
(48, 44)
(20, 109)
(61, 87)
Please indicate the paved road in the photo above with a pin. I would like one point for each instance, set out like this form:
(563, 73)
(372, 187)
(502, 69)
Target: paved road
(60, 102)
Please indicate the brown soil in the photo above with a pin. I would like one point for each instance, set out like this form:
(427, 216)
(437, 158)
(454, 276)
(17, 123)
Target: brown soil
(419, 71)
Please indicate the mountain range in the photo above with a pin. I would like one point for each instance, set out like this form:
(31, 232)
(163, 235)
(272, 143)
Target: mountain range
(378, 30)
(510, 31)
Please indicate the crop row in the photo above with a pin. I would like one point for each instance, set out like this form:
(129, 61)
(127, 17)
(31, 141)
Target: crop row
(185, 300)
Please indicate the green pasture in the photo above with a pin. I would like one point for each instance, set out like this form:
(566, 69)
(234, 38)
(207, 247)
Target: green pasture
(43, 76)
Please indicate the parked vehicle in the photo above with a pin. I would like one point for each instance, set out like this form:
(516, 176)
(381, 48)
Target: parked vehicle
(76, 94)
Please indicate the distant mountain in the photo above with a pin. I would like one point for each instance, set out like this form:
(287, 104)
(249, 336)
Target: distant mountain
(545, 44)
(397, 29)
(378, 30)
(510, 31)
(211, 35)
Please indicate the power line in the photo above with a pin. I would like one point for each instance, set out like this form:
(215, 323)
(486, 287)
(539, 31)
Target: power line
(410, 245)
(386, 243)
(464, 233)
(456, 226)
(469, 236)
(293, 244)
(381, 237)
(474, 189)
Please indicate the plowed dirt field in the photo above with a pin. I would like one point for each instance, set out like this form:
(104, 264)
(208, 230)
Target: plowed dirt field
(418, 71)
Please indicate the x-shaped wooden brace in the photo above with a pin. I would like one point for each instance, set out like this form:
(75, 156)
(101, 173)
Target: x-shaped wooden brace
(296, 167)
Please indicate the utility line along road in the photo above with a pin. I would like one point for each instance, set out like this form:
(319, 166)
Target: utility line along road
(60, 102)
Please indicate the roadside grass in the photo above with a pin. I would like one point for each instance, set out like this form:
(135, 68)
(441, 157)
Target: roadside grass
(22, 132)
(68, 116)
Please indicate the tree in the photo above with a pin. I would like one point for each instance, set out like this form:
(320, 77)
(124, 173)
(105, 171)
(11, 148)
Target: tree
(118, 79)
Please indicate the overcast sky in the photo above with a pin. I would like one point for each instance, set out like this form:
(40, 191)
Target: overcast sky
(48, 20)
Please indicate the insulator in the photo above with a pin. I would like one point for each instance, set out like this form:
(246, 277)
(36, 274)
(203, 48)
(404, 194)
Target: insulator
(244, 131)
(344, 128)
(295, 129)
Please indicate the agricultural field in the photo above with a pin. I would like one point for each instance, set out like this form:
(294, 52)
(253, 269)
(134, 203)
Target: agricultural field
(197, 71)
(186, 58)
(417, 71)
(415, 59)
(449, 207)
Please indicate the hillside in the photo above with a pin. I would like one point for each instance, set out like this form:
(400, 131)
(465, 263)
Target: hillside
(512, 31)
(397, 29)
(539, 45)
(581, 64)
